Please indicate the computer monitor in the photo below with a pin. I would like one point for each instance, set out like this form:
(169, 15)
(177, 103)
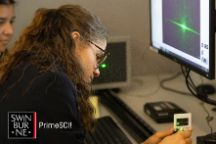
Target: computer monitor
(184, 31)
(115, 72)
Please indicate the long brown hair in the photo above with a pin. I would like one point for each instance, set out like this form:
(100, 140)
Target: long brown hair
(47, 44)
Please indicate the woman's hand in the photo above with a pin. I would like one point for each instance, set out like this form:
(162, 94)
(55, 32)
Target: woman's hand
(169, 137)
(181, 137)
(158, 136)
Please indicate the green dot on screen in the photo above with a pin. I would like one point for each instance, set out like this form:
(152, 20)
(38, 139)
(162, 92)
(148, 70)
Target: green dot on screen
(103, 66)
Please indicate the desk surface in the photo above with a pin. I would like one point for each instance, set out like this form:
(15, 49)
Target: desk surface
(147, 89)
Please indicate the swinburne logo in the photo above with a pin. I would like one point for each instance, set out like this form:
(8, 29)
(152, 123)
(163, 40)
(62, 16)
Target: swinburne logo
(22, 125)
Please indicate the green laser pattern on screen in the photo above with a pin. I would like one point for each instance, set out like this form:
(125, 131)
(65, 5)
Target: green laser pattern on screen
(184, 27)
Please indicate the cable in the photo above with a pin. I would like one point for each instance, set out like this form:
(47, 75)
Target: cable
(153, 91)
(162, 84)
(209, 118)
(192, 88)
(189, 83)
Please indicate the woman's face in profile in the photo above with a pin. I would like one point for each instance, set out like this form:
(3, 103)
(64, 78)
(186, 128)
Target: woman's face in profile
(87, 56)
(7, 16)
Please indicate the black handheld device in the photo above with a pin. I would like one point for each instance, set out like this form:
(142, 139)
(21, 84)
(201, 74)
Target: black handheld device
(162, 111)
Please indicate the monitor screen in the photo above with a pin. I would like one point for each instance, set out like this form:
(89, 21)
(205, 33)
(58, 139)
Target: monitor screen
(115, 71)
(184, 31)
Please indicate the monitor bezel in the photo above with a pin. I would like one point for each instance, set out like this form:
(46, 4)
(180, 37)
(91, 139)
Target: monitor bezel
(211, 73)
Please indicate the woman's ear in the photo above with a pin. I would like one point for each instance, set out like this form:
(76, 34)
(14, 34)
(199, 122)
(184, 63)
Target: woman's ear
(75, 35)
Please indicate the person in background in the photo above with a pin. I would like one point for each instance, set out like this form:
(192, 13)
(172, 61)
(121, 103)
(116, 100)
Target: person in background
(7, 17)
(49, 71)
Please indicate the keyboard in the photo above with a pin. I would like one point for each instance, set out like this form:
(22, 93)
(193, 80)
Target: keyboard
(135, 126)
(106, 131)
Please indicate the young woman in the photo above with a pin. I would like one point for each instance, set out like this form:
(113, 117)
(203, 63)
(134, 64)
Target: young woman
(50, 71)
(7, 16)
